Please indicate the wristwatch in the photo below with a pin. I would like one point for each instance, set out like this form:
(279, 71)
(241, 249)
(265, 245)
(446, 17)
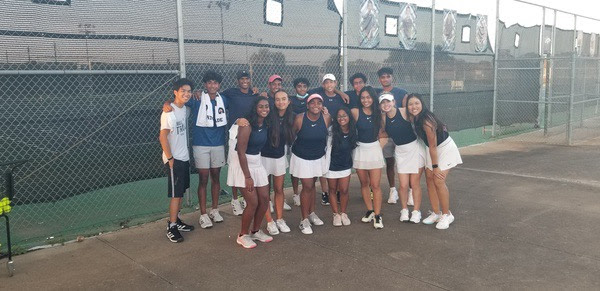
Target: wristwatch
(434, 166)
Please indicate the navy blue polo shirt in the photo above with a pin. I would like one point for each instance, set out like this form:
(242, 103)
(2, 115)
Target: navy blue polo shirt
(239, 104)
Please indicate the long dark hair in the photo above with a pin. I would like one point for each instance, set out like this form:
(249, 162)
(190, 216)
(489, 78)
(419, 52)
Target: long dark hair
(375, 111)
(425, 116)
(252, 116)
(287, 124)
(338, 134)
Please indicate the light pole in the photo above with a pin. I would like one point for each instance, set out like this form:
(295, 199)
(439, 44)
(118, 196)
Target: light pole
(86, 28)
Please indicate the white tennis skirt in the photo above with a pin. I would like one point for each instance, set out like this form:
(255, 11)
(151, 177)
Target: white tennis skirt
(448, 155)
(301, 168)
(338, 174)
(367, 156)
(389, 149)
(235, 175)
(275, 167)
(409, 158)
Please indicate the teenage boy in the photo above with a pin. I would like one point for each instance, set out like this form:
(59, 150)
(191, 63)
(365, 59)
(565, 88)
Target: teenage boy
(273, 85)
(358, 81)
(386, 78)
(175, 156)
(333, 100)
(239, 102)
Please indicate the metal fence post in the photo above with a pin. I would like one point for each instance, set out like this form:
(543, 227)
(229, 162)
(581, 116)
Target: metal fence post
(432, 57)
(543, 91)
(496, 49)
(572, 95)
(551, 74)
(181, 39)
(345, 45)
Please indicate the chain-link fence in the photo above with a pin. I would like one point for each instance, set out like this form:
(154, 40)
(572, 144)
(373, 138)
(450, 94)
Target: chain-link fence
(82, 83)
(547, 75)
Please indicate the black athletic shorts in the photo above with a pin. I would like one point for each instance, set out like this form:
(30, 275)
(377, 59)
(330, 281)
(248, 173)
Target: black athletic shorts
(181, 176)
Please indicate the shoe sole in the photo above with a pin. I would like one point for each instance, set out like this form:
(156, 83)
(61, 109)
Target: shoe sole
(174, 241)
(250, 247)
(378, 227)
(186, 230)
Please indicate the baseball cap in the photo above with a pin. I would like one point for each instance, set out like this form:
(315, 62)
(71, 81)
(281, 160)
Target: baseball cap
(386, 96)
(275, 77)
(313, 96)
(241, 74)
(328, 77)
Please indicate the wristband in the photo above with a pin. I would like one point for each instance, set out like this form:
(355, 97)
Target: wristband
(434, 166)
(170, 158)
(248, 177)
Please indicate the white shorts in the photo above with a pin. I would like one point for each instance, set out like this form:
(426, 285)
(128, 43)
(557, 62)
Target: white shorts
(337, 174)
(275, 167)
(206, 157)
(388, 148)
(235, 175)
(367, 156)
(409, 158)
(301, 168)
(448, 155)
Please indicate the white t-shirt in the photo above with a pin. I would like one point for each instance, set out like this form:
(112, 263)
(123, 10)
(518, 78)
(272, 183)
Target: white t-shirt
(176, 122)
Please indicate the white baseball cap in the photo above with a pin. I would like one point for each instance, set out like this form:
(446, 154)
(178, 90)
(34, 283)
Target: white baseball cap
(328, 77)
(386, 96)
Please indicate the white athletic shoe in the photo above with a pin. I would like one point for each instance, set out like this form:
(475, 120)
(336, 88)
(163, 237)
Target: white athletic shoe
(432, 218)
(236, 206)
(368, 216)
(204, 221)
(415, 216)
(445, 221)
(314, 219)
(272, 228)
(305, 227)
(404, 215)
(242, 202)
(283, 227)
(296, 199)
(271, 206)
(411, 201)
(393, 197)
(345, 219)
(246, 241)
(337, 219)
(261, 236)
(215, 215)
(286, 206)
(378, 222)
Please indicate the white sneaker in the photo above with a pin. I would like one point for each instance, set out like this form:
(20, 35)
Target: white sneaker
(236, 207)
(215, 215)
(393, 197)
(445, 221)
(432, 218)
(271, 206)
(345, 219)
(204, 221)
(411, 201)
(314, 219)
(261, 236)
(404, 215)
(415, 216)
(305, 227)
(246, 241)
(368, 216)
(242, 202)
(337, 219)
(286, 206)
(283, 227)
(378, 222)
(296, 198)
(272, 228)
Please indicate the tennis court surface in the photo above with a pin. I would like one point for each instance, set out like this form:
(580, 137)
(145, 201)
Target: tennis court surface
(526, 217)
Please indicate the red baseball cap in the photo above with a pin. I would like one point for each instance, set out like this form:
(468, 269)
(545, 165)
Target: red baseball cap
(275, 77)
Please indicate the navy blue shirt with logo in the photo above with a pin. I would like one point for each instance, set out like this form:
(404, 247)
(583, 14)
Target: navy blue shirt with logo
(298, 105)
(354, 99)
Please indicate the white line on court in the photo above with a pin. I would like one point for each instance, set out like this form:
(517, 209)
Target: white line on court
(554, 179)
